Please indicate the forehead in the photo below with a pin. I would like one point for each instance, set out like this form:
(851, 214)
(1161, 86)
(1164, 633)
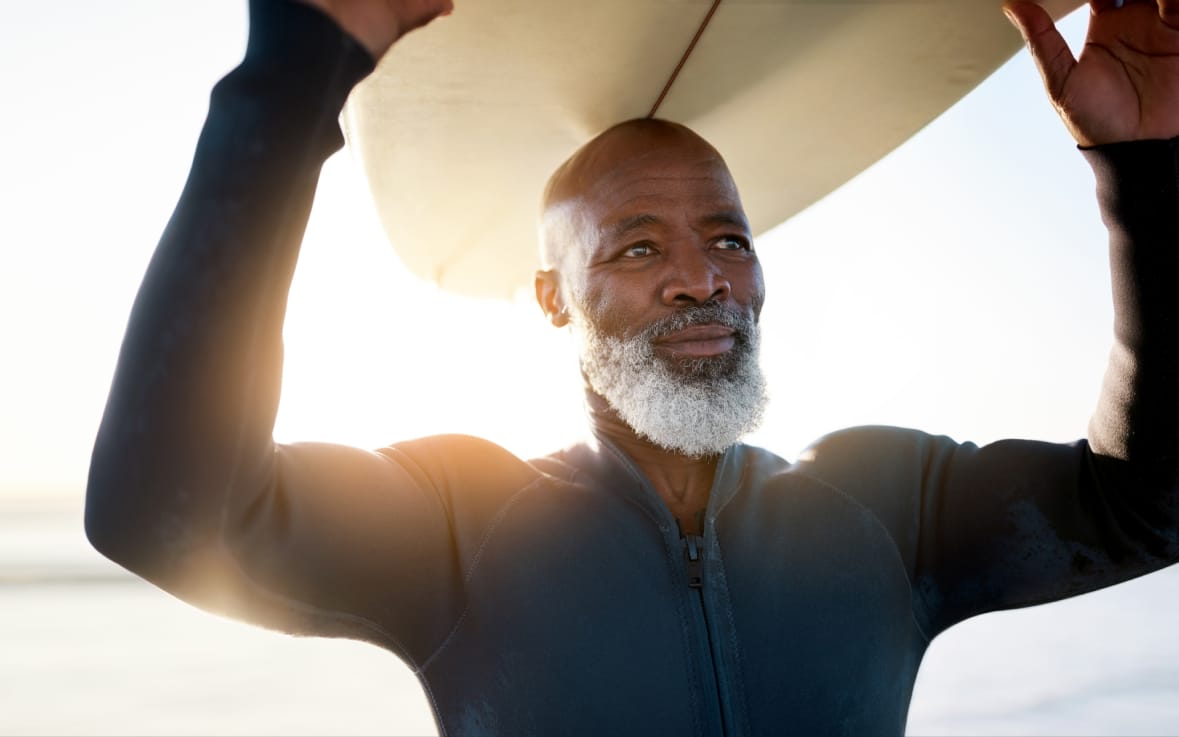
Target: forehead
(667, 183)
(647, 171)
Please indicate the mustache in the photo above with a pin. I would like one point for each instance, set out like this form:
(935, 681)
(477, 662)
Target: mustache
(708, 313)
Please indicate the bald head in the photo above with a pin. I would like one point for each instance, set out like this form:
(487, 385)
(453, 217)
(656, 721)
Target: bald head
(629, 139)
(591, 167)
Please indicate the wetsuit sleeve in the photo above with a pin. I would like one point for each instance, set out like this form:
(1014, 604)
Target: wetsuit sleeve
(1019, 522)
(186, 487)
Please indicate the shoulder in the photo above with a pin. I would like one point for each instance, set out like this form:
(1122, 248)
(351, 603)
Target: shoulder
(453, 461)
(866, 460)
(870, 443)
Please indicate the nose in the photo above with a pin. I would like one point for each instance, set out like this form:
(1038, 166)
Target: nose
(693, 278)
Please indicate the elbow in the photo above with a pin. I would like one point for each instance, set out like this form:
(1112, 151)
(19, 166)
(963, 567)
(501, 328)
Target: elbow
(102, 522)
(118, 510)
(151, 523)
(110, 493)
(123, 508)
(125, 527)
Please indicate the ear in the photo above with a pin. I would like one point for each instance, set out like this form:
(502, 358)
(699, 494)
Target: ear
(548, 296)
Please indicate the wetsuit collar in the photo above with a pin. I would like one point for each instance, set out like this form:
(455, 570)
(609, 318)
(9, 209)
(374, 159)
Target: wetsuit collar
(616, 472)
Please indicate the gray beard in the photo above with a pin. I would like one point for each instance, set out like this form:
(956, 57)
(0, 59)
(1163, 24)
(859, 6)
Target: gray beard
(696, 407)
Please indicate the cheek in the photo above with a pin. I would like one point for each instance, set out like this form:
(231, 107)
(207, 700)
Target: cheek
(752, 289)
(611, 309)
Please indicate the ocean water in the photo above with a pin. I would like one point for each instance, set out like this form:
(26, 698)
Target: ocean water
(88, 650)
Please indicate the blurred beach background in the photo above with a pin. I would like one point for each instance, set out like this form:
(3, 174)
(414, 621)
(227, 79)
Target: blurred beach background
(959, 286)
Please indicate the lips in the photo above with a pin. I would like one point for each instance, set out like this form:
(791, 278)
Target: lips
(699, 341)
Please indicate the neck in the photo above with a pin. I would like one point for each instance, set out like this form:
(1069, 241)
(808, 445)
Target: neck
(682, 482)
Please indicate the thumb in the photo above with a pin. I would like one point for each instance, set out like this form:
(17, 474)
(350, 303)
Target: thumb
(1052, 55)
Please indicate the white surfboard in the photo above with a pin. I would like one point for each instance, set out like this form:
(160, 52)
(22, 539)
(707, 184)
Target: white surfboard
(463, 121)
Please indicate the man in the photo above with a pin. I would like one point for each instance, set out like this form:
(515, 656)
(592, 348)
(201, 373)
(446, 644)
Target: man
(663, 578)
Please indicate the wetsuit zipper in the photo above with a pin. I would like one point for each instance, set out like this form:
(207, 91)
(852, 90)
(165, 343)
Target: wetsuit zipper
(693, 545)
(694, 563)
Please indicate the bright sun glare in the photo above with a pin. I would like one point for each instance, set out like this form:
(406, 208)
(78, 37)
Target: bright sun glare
(374, 355)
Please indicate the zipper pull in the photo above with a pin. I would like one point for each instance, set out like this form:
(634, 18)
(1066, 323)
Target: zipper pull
(692, 551)
(693, 558)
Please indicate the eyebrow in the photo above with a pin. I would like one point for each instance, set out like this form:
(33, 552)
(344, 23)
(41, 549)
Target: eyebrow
(618, 231)
(728, 217)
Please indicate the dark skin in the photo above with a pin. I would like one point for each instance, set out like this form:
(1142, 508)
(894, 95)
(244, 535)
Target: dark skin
(1123, 87)
(650, 223)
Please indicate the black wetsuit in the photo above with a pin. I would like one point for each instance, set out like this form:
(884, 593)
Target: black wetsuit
(556, 596)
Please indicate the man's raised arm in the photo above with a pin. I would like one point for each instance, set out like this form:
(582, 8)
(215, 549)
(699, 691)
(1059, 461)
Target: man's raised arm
(1120, 99)
(186, 486)
(1017, 522)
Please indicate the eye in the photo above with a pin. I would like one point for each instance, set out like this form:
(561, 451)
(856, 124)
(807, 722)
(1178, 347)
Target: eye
(638, 250)
(734, 243)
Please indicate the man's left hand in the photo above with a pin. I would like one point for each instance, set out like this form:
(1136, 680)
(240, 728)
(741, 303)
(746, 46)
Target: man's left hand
(1125, 85)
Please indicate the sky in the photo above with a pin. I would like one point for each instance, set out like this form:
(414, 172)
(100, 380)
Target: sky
(958, 286)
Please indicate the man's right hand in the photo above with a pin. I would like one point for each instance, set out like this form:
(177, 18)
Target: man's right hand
(377, 24)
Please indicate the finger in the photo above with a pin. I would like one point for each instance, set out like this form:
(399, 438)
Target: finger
(1169, 12)
(1168, 9)
(1052, 55)
(1100, 6)
(414, 14)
